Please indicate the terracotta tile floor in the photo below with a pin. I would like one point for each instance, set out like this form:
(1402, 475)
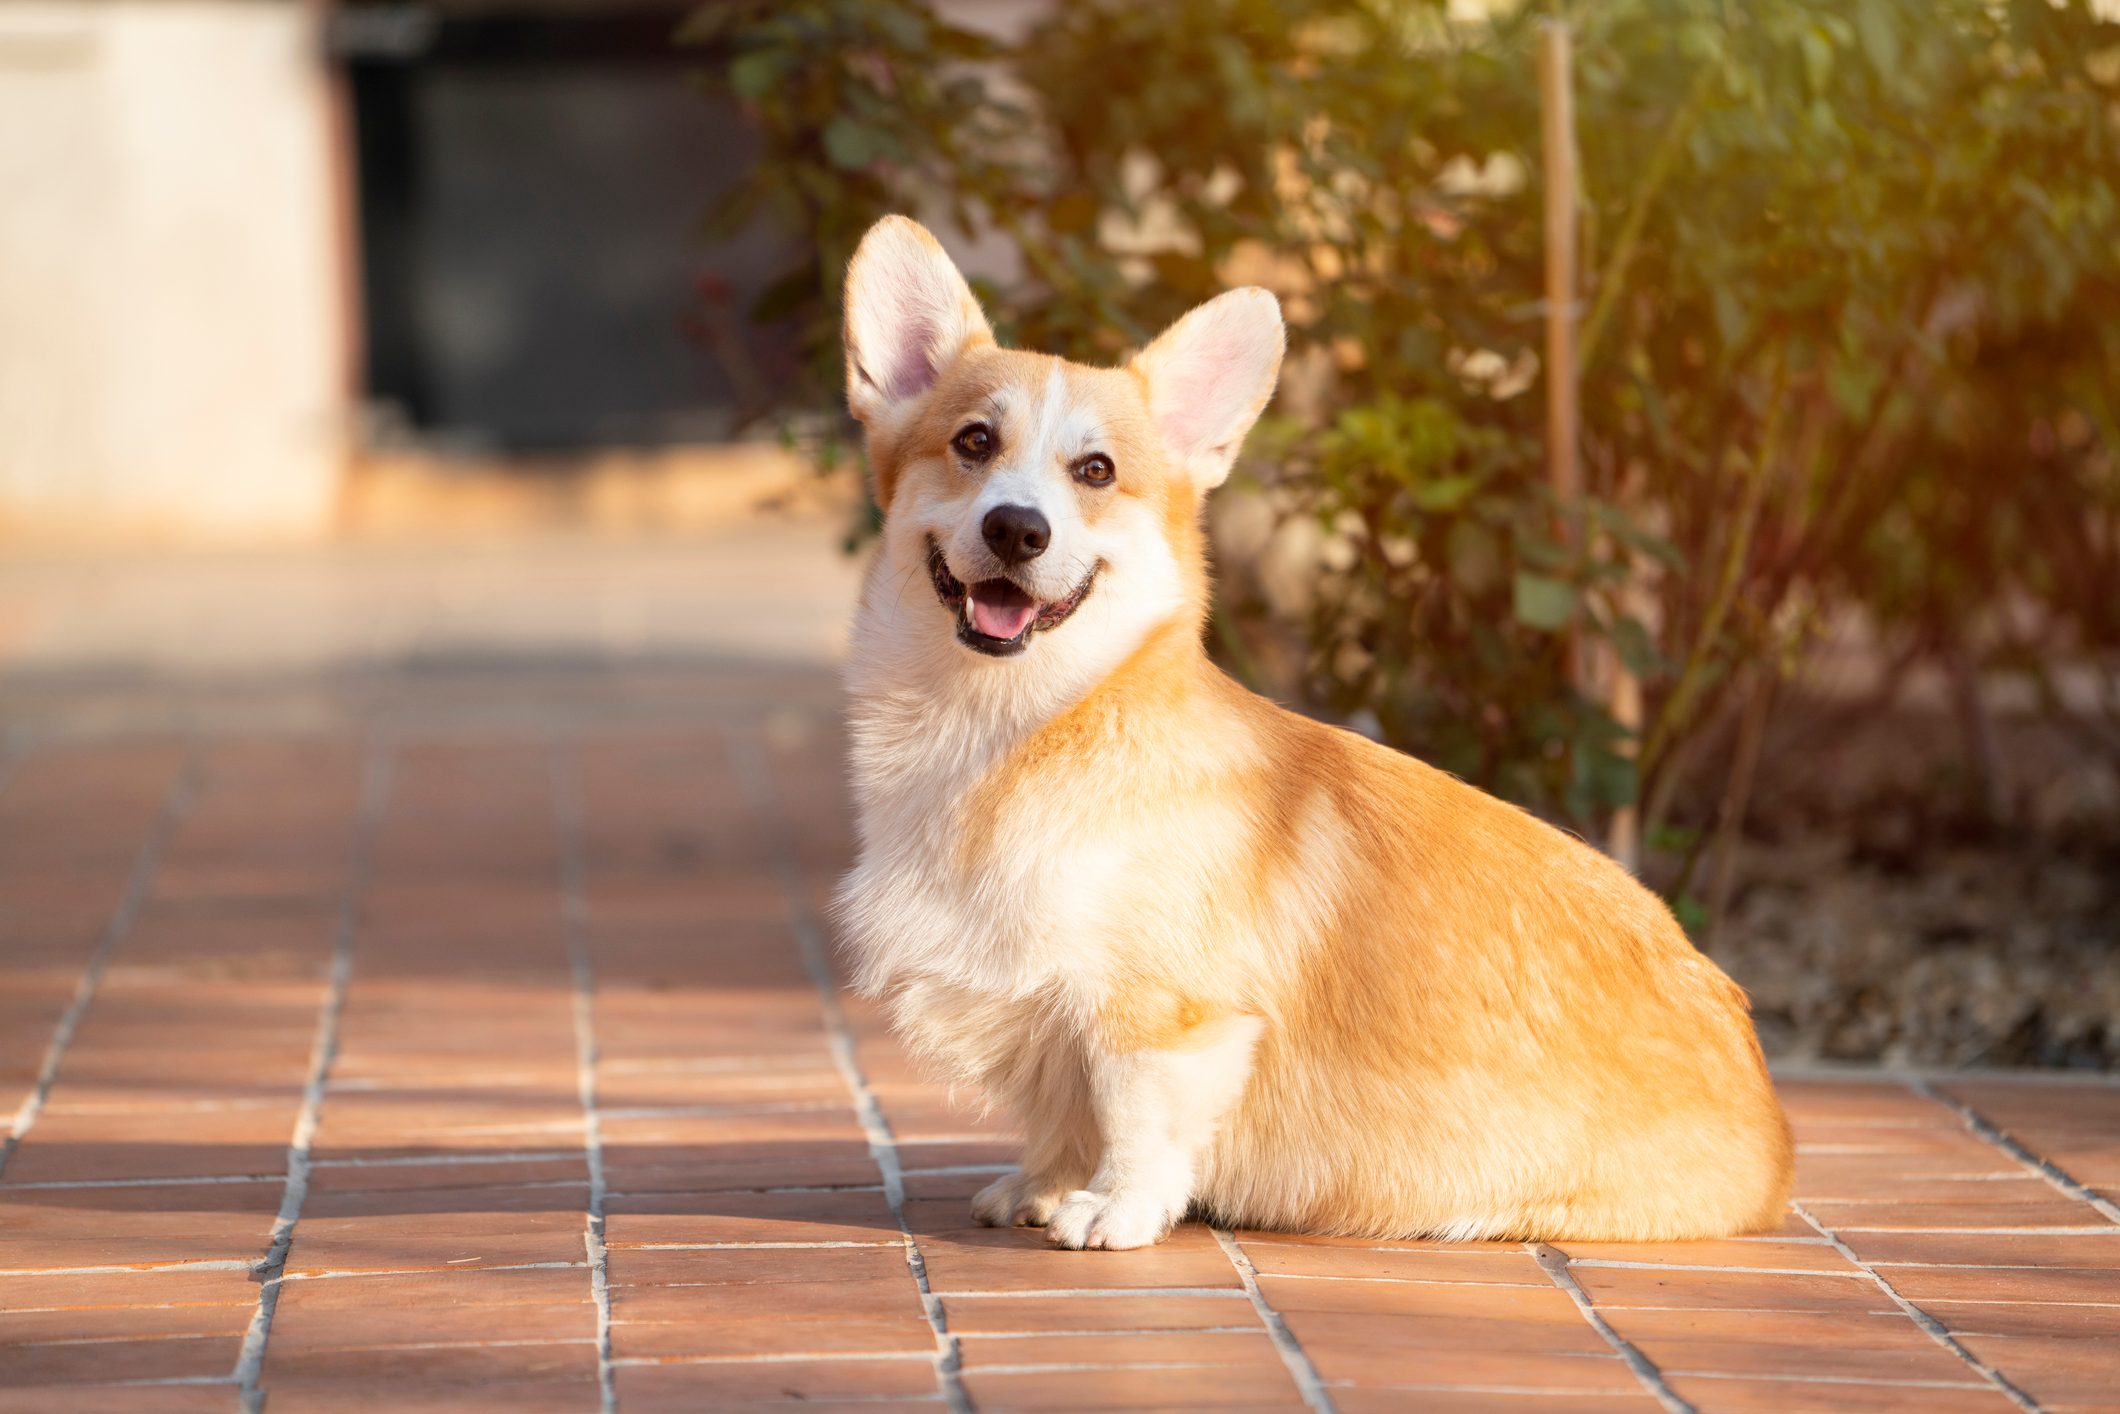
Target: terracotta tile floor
(476, 1047)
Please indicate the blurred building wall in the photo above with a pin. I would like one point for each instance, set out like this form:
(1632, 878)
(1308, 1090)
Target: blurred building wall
(172, 323)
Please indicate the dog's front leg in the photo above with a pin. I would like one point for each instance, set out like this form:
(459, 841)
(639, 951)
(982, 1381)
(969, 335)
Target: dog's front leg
(1156, 1110)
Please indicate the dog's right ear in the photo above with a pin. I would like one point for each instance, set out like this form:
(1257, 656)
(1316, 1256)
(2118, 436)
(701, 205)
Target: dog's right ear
(909, 314)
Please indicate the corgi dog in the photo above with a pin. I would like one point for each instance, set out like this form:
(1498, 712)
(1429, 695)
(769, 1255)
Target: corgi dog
(1213, 956)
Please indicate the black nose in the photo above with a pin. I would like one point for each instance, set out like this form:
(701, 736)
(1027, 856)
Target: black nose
(1016, 533)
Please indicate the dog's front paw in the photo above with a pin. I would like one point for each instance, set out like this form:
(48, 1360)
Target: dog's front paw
(1113, 1221)
(1019, 1200)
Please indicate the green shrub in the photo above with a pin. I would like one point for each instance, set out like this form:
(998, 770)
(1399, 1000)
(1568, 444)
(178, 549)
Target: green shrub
(1852, 325)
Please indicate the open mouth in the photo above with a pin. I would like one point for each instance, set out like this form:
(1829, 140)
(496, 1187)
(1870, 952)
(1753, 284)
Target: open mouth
(998, 616)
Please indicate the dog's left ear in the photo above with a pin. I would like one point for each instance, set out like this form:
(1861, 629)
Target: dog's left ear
(1209, 377)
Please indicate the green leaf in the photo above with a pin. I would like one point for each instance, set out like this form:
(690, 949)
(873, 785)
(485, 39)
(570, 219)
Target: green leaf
(1636, 648)
(1851, 382)
(1543, 603)
(1445, 493)
(850, 145)
(1731, 320)
(1542, 551)
(757, 73)
(1474, 557)
(1880, 35)
(1672, 839)
(1635, 537)
(1691, 913)
(904, 28)
(1817, 58)
(1604, 779)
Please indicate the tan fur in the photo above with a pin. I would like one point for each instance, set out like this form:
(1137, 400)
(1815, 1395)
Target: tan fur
(1209, 951)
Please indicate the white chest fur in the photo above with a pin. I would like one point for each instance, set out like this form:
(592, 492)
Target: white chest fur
(926, 904)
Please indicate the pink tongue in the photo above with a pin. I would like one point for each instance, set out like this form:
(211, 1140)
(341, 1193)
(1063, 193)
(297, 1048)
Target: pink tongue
(1001, 620)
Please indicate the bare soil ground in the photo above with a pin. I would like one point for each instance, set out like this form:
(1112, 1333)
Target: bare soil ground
(1878, 914)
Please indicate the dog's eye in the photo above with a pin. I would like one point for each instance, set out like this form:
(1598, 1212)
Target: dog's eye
(975, 442)
(1095, 470)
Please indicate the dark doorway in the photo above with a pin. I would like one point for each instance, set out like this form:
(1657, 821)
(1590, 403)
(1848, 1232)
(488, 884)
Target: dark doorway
(531, 188)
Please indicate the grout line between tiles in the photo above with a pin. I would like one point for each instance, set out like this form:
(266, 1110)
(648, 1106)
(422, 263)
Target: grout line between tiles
(2099, 1230)
(1105, 1334)
(1929, 1325)
(1225, 1292)
(355, 1272)
(54, 1185)
(1986, 1130)
(1789, 1379)
(1618, 1264)
(1301, 1368)
(520, 1156)
(1547, 1396)
(1401, 1281)
(177, 802)
(752, 771)
(161, 1382)
(1898, 1262)
(567, 808)
(1555, 1264)
(375, 791)
(213, 1264)
(630, 1193)
(2018, 1301)
(776, 1358)
(1073, 1367)
(756, 1246)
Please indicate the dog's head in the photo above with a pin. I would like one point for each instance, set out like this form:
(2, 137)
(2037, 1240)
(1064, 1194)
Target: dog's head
(1028, 499)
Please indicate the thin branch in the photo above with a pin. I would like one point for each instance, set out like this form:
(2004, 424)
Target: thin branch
(1612, 280)
(1678, 707)
(1737, 800)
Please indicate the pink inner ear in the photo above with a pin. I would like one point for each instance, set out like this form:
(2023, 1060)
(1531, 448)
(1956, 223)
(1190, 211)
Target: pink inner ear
(1210, 372)
(1191, 411)
(912, 369)
(1207, 389)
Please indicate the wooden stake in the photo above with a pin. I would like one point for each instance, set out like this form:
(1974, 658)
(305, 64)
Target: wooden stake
(1623, 700)
(1557, 138)
(1602, 670)
(1563, 410)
